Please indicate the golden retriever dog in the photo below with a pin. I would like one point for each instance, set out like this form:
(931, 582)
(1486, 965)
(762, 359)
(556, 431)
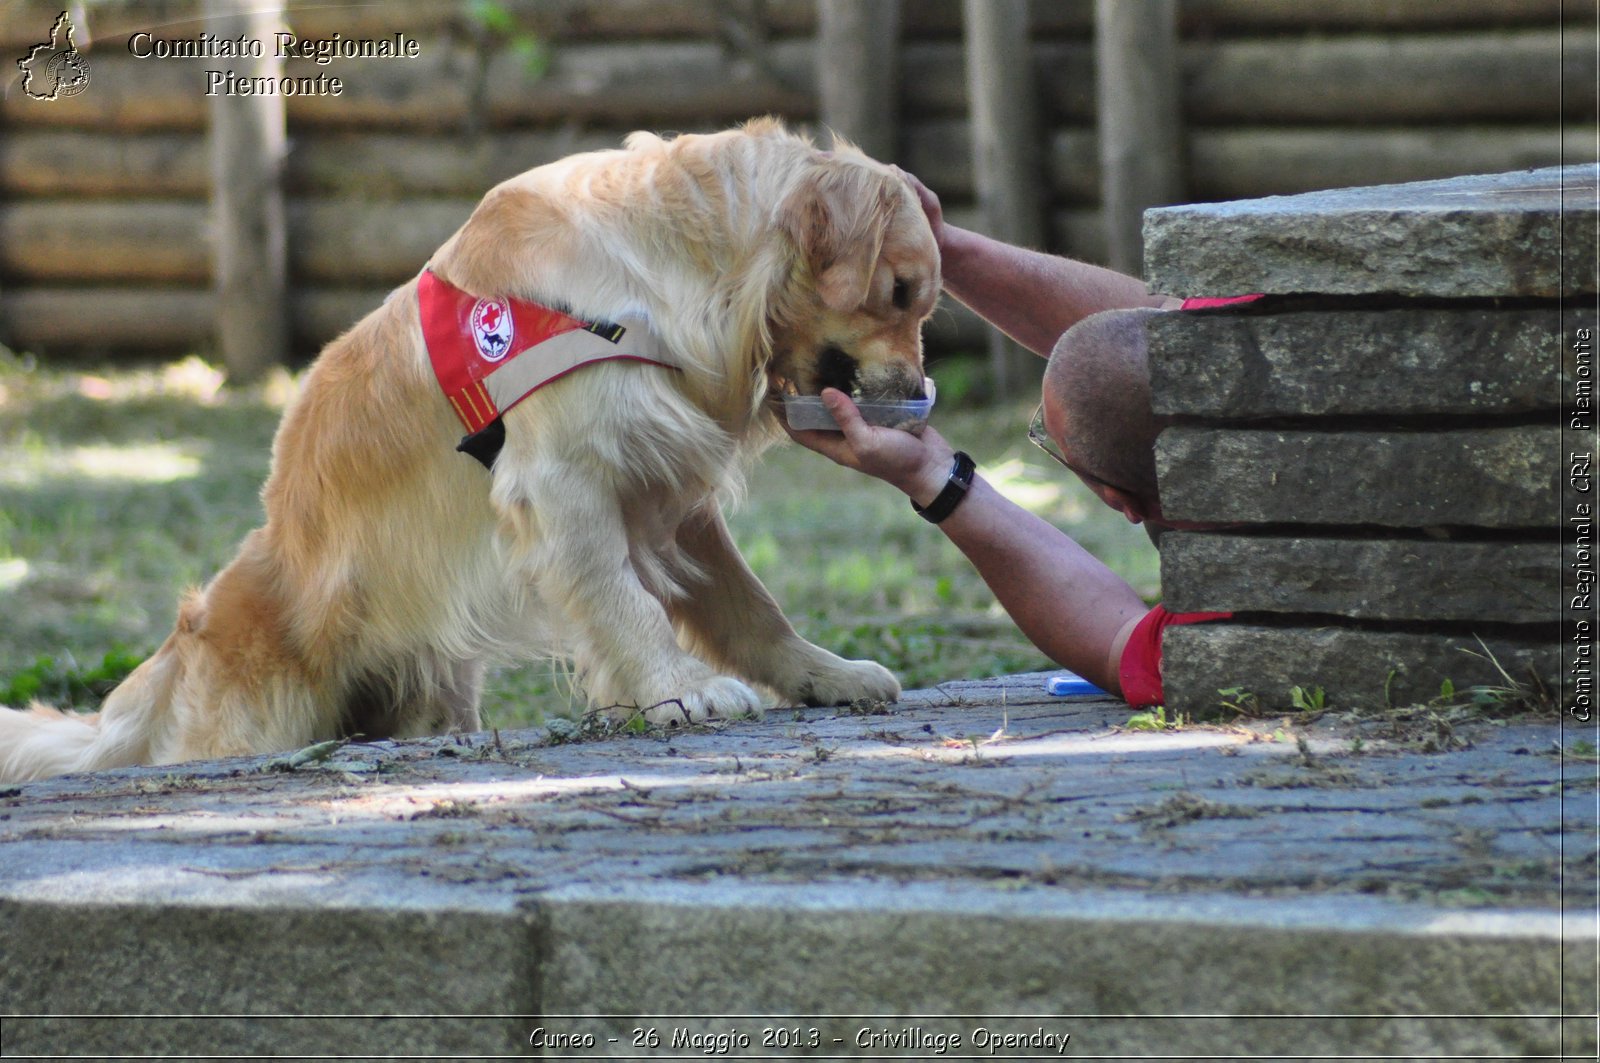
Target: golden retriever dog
(391, 566)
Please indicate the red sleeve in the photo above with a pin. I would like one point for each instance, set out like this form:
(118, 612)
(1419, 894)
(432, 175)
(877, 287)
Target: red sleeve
(1208, 302)
(1140, 668)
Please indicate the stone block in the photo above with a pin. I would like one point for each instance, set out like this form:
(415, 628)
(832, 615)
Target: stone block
(1488, 478)
(1523, 234)
(152, 980)
(1357, 668)
(1470, 361)
(1364, 579)
(879, 959)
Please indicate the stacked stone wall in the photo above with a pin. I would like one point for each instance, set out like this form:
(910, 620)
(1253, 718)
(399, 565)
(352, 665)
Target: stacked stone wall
(1381, 442)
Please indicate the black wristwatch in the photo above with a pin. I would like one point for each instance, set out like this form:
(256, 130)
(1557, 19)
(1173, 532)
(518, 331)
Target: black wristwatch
(955, 489)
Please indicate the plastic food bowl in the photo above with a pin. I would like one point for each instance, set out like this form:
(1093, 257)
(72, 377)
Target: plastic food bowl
(805, 412)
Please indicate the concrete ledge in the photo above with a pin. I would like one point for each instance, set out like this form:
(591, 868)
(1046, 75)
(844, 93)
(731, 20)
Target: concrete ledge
(262, 979)
(1522, 234)
(1013, 862)
(1134, 976)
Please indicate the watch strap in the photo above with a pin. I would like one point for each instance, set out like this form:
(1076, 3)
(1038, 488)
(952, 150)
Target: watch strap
(962, 469)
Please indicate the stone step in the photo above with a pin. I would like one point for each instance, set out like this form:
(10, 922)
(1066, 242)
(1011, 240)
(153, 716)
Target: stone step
(980, 860)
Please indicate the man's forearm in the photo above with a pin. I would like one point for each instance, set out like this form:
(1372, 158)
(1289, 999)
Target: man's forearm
(1031, 296)
(1070, 605)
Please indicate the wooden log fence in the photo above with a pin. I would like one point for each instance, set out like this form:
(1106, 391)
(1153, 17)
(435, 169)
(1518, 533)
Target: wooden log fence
(858, 72)
(1140, 120)
(1361, 80)
(1276, 97)
(249, 142)
(1005, 134)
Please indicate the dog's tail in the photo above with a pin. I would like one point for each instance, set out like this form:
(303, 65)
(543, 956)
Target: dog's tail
(42, 741)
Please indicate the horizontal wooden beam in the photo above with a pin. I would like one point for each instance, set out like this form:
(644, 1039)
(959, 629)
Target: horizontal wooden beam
(1515, 75)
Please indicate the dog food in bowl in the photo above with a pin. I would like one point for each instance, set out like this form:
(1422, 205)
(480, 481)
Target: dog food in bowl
(805, 412)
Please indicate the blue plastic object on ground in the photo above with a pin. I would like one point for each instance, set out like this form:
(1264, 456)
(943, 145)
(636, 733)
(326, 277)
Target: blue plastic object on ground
(1068, 684)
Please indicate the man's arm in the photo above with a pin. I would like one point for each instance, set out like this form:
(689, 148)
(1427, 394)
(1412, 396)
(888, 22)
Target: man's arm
(1030, 296)
(1070, 605)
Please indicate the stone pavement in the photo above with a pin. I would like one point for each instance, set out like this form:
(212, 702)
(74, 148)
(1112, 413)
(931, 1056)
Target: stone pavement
(980, 871)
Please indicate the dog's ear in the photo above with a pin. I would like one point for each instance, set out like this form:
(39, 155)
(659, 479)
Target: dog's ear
(490, 253)
(837, 219)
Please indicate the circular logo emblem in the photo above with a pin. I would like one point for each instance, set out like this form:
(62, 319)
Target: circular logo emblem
(67, 73)
(492, 328)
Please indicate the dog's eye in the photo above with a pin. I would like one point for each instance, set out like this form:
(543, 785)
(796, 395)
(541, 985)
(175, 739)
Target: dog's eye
(901, 297)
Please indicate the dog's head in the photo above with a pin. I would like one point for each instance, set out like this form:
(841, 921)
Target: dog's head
(867, 276)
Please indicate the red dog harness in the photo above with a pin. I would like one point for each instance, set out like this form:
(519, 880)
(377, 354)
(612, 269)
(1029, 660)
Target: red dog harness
(489, 354)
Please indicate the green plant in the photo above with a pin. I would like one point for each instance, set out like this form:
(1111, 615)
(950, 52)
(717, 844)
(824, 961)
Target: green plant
(964, 379)
(1240, 701)
(1308, 699)
(495, 20)
(1582, 749)
(1154, 719)
(62, 681)
(1509, 697)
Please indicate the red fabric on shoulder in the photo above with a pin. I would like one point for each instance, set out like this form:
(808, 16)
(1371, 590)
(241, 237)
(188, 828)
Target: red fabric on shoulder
(1140, 667)
(1207, 302)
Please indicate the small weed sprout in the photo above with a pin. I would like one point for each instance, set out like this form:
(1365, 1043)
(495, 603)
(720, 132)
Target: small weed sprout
(1582, 749)
(1308, 699)
(1155, 719)
(1240, 702)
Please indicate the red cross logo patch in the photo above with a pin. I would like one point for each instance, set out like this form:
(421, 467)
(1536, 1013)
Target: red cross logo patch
(492, 329)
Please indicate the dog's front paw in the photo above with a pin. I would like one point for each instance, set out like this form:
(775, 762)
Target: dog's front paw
(718, 697)
(841, 682)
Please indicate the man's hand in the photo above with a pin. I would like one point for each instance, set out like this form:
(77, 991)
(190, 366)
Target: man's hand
(916, 464)
(930, 206)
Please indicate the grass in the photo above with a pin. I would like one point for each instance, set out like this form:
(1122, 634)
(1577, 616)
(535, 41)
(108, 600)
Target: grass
(121, 487)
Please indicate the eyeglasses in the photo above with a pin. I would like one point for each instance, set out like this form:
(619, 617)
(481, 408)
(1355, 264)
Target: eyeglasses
(1041, 439)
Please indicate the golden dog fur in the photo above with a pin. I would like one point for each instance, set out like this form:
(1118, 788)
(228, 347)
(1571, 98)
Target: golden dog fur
(391, 568)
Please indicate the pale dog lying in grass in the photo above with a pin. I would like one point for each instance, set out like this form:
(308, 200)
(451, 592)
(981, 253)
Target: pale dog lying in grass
(391, 567)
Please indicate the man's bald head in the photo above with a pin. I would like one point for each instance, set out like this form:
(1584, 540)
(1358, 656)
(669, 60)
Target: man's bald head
(1097, 401)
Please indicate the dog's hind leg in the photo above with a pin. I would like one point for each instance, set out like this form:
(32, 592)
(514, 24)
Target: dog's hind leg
(732, 621)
